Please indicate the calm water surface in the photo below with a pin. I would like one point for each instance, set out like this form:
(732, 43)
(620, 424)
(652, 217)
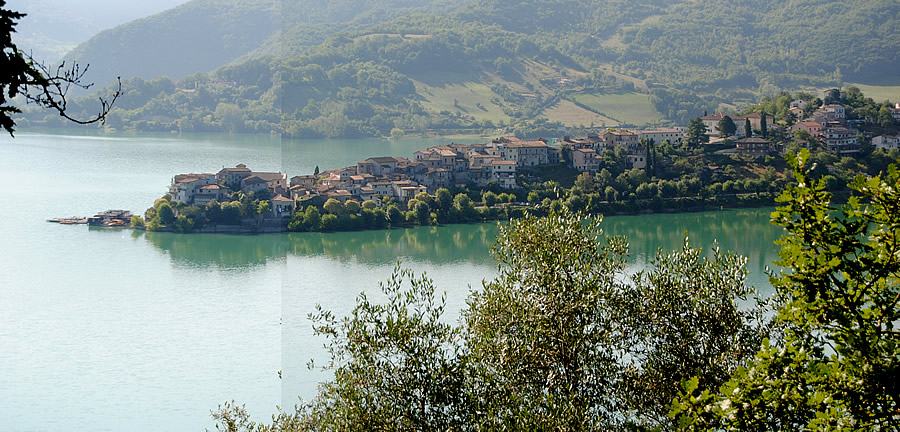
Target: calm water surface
(115, 330)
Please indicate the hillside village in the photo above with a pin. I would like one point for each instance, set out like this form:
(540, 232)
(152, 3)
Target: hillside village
(498, 164)
(401, 178)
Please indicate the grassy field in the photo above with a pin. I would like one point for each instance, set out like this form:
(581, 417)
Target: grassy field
(879, 93)
(472, 98)
(632, 108)
(570, 114)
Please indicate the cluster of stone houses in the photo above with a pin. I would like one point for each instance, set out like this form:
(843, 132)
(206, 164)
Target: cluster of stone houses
(829, 125)
(746, 145)
(430, 169)
(201, 189)
(397, 177)
(495, 162)
(585, 152)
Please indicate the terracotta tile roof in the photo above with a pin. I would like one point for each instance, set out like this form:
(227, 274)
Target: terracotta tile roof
(253, 179)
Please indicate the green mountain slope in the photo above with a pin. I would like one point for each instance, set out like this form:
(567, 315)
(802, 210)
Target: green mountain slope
(525, 67)
(733, 42)
(195, 37)
(202, 35)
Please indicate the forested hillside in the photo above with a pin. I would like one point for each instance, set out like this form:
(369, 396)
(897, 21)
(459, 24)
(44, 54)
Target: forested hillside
(725, 43)
(202, 35)
(365, 68)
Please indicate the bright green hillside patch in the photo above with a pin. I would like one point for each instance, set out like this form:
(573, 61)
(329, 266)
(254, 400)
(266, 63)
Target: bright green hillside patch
(570, 114)
(630, 108)
(879, 93)
(467, 97)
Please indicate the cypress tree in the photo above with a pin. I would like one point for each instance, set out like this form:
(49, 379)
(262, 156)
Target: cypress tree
(748, 130)
(762, 126)
(727, 127)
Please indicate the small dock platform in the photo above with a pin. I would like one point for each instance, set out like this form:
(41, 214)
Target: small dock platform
(69, 220)
(109, 218)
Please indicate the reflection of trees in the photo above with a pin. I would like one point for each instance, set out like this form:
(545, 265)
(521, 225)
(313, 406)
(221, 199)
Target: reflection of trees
(452, 243)
(220, 250)
(746, 232)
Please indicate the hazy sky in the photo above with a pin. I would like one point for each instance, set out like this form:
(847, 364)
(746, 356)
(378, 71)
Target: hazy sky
(53, 27)
(75, 21)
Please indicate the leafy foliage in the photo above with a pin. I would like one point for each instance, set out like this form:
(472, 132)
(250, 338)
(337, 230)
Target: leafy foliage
(562, 339)
(397, 365)
(837, 367)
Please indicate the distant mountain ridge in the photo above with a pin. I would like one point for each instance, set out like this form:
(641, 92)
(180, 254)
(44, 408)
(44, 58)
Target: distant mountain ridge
(195, 37)
(202, 35)
(379, 67)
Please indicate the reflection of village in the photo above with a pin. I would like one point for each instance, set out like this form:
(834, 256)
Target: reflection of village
(401, 178)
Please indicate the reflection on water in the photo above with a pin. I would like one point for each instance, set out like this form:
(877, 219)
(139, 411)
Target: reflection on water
(444, 244)
(747, 232)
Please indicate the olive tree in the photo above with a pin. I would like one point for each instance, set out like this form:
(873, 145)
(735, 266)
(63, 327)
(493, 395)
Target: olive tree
(545, 331)
(397, 365)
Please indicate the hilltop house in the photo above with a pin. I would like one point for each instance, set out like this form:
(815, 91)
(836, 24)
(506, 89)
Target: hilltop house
(232, 177)
(814, 128)
(662, 134)
(841, 141)
(586, 160)
(886, 142)
(712, 123)
(186, 187)
(753, 146)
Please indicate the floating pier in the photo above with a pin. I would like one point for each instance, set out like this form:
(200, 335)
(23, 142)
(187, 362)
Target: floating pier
(109, 218)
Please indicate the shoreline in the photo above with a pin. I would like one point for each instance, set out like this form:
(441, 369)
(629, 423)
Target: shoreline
(517, 212)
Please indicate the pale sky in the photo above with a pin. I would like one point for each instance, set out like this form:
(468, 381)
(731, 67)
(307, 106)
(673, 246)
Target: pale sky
(61, 18)
(53, 27)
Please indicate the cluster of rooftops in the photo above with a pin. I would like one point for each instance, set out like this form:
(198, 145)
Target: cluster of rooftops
(402, 178)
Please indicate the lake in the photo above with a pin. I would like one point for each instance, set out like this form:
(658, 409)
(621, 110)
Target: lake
(105, 329)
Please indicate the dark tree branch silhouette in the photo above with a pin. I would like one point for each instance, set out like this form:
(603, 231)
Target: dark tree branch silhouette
(37, 83)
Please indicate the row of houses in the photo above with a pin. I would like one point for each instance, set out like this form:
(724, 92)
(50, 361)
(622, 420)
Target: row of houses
(430, 169)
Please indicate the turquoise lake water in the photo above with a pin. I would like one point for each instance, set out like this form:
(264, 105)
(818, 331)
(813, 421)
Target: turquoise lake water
(104, 329)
